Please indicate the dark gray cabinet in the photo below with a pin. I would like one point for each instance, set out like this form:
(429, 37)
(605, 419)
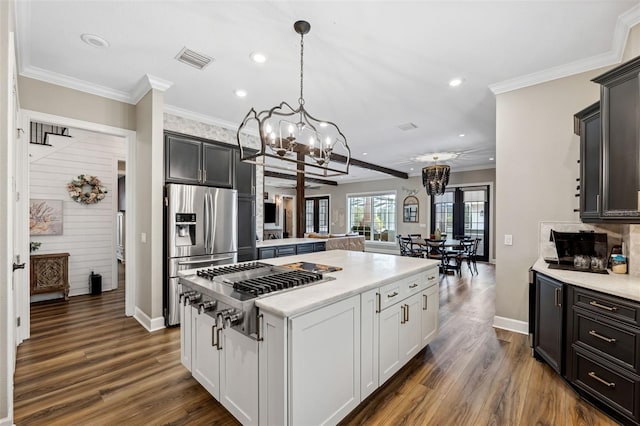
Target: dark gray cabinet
(603, 360)
(195, 161)
(620, 103)
(245, 178)
(246, 228)
(290, 250)
(549, 324)
(587, 126)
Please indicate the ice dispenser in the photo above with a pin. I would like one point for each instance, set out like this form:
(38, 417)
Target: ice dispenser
(185, 229)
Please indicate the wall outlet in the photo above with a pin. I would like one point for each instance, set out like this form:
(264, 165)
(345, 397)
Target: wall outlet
(143, 237)
(508, 239)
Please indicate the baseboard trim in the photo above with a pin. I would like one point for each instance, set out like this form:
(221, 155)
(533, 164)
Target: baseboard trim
(6, 421)
(510, 324)
(151, 324)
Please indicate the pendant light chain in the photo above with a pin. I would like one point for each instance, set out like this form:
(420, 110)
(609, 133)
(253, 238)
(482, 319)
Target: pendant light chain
(301, 100)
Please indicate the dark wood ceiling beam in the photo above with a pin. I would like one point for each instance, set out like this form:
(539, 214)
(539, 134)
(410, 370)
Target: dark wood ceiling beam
(278, 175)
(370, 166)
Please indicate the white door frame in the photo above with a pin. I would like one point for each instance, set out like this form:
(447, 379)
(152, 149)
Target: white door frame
(130, 139)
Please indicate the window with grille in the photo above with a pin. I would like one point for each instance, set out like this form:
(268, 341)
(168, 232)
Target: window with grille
(373, 216)
(443, 208)
(316, 214)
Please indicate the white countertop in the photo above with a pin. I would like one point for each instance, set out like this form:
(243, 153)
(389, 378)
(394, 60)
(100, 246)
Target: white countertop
(622, 285)
(288, 241)
(361, 272)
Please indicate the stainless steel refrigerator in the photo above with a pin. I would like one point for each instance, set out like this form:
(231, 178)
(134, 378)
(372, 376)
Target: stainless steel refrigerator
(201, 231)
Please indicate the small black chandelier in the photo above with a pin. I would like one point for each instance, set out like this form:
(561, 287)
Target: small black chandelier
(294, 135)
(435, 178)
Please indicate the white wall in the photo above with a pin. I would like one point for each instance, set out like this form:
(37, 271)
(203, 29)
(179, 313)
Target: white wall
(536, 163)
(88, 230)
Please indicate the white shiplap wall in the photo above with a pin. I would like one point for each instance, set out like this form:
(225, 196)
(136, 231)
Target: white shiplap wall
(88, 230)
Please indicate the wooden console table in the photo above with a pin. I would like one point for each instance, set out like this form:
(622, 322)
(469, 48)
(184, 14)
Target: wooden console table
(50, 273)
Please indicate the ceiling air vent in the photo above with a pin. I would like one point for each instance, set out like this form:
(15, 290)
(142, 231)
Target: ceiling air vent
(407, 126)
(195, 59)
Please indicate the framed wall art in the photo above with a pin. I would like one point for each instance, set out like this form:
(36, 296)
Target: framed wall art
(45, 217)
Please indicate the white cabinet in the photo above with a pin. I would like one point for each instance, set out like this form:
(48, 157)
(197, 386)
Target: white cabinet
(369, 337)
(410, 328)
(205, 362)
(239, 376)
(390, 358)
(185, 335)
(225, 363)
(324, 363)
(430, 307)
(272, 369)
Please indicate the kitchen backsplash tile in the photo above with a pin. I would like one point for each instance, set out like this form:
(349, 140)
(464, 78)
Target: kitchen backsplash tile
(633, 250)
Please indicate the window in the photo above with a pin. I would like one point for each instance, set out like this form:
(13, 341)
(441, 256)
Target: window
(463, 211)
(373, 216)
(316, 213)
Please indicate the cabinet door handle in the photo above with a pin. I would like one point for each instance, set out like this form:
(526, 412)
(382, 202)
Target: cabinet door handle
(403, 315)
(431, 278)
(407, 313)
(378, 303)
(425, 299)
(593, 375)
(598, 305)
(218, 336)
(213, 335)
(199, 175)
(204, 175)
(413, 285)
(556, 297)
(394, 294)
(601, 337)
(259, 325)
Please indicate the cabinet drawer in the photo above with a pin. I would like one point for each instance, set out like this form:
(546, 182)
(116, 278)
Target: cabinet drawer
(266, 253)
(616, 342)
(401, 289)
(305, 248)
(319, 246)
(285, 251)
(609, 306)
(616, 389)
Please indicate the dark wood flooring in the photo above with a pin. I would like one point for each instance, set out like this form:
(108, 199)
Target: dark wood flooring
(88, 364)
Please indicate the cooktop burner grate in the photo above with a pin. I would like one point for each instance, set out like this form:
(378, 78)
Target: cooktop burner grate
(211, 273)
(280, 281)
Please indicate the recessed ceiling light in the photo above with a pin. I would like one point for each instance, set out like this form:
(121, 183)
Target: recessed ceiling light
(323, 124)
(365, 153)
(411, 169)
(455, 82)
(491, 158)
(240, 93)
(94, 40)
(258, 58)
(461, 135)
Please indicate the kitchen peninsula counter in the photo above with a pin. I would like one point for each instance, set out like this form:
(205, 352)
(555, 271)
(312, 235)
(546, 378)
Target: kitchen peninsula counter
(361, 271)
(622, 285)
(288, 241)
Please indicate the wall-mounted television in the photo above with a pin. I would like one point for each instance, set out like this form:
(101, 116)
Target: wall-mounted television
(269, 212)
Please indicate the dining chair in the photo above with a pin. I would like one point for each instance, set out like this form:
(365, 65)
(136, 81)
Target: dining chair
(470, 254)
(406, 248)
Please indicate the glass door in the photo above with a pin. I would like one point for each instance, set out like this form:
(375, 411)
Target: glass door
(463, 211)
(316, 215)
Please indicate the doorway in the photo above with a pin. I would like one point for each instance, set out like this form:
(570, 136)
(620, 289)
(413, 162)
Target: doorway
(317, 214)
(463, 211)
(103, 133)
(288, 216)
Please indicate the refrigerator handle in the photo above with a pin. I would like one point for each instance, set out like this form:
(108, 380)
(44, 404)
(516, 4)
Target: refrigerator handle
(207, 225)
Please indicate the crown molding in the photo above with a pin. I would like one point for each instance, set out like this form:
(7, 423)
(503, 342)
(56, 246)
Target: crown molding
(202, 118)
(75, 84)
(624, 24)
(146, 83)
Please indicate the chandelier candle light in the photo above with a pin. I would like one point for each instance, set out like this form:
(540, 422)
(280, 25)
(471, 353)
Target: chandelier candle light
(435, 178)
(294, 135)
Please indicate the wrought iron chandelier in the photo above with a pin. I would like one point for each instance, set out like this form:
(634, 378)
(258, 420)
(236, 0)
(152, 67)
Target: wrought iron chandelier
(435, 178)
(293, 135)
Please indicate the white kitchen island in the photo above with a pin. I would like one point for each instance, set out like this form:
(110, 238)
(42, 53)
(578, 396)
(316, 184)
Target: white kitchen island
(321, 350)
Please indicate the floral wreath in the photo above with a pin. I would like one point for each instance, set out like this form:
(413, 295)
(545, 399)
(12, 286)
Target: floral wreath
(79, 192)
